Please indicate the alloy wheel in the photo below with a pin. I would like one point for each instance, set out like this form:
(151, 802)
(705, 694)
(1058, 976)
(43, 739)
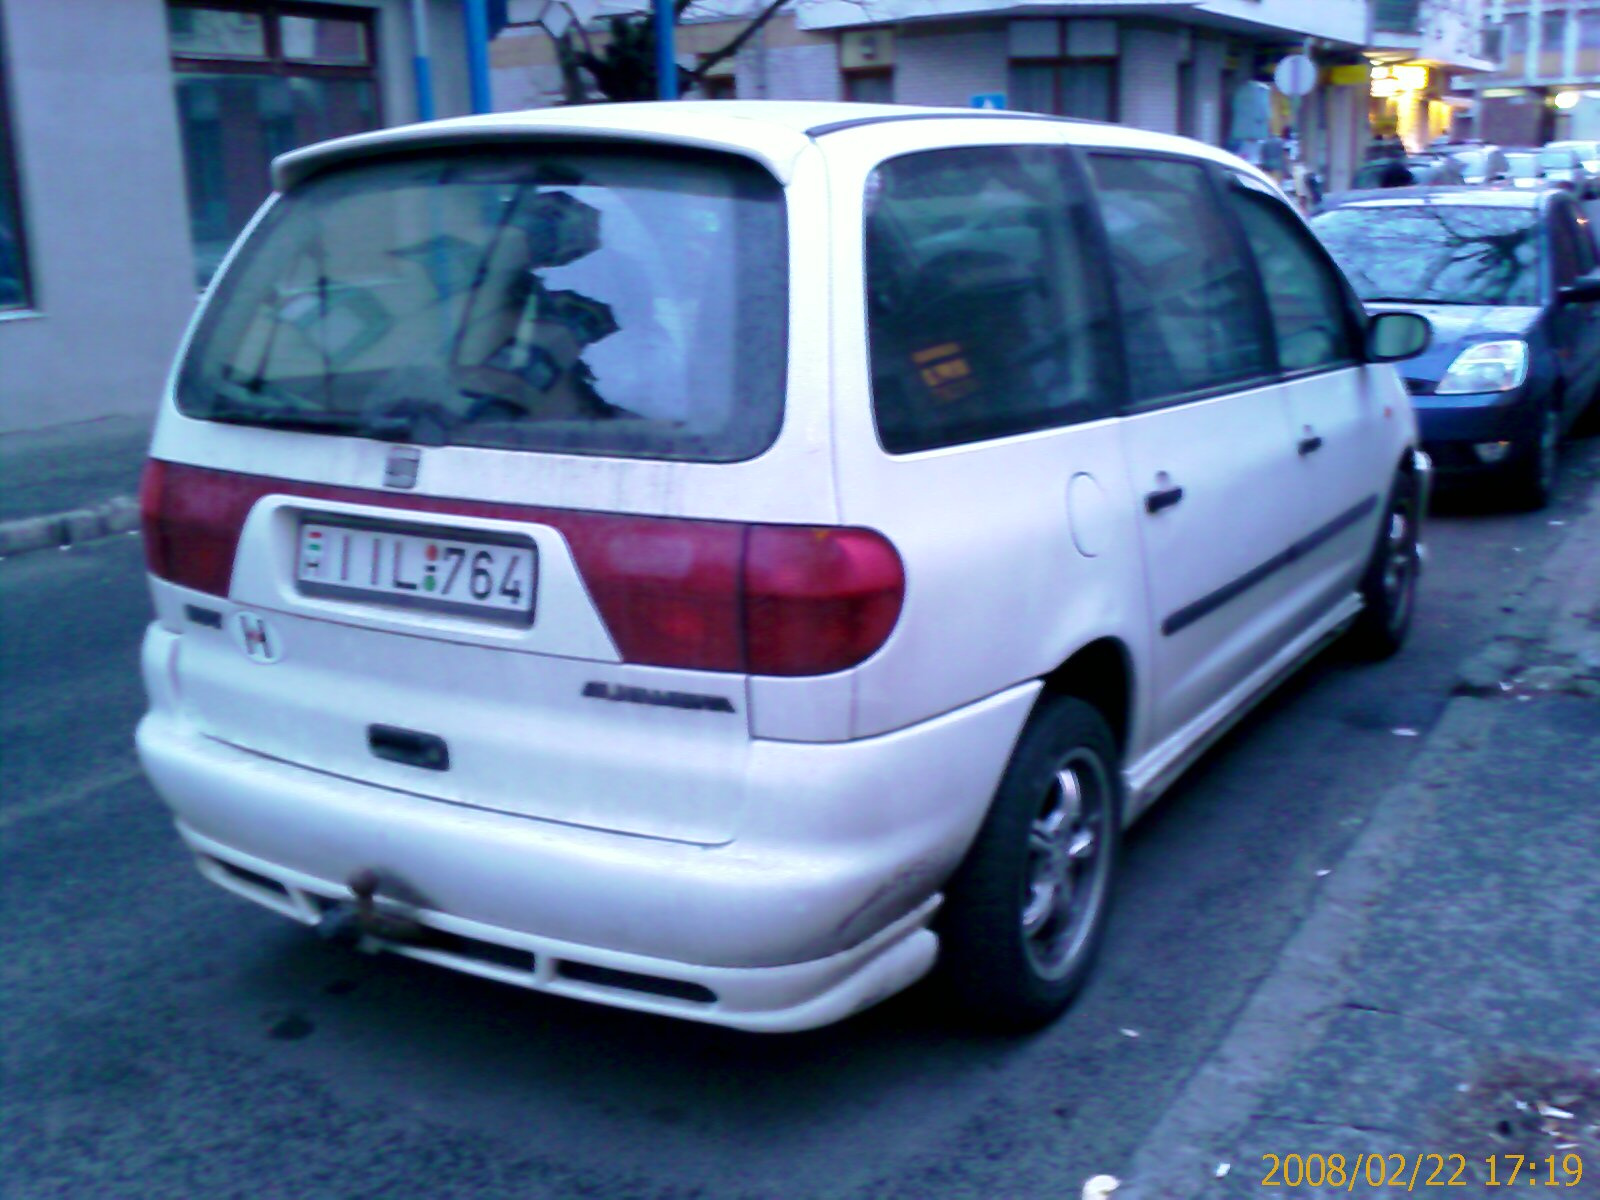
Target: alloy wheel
(1067, 869)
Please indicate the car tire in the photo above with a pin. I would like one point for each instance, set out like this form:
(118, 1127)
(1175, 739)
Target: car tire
(1026, 911)
(1389, 584)
(1533, 471)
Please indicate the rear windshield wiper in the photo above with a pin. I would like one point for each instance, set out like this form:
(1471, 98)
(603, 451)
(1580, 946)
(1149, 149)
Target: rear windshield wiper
(308, 420)
(1421, 300)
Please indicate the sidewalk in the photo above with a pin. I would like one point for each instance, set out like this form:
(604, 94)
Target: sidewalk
(70, 483)
(1443, 997)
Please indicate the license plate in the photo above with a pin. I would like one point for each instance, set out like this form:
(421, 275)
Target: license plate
(414, 570)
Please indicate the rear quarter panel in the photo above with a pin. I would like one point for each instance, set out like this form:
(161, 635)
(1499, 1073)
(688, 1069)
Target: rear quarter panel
(1002, 583)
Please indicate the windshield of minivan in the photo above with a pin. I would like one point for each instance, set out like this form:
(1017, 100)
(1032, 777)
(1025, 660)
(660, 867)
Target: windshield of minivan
(1436, 253)
(594, 301)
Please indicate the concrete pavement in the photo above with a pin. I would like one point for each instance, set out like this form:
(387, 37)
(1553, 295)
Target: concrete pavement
(1443, 997)
(1447, 973)
(70, 483)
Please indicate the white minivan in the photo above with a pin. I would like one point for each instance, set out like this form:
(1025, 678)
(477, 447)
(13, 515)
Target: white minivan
(720, 559)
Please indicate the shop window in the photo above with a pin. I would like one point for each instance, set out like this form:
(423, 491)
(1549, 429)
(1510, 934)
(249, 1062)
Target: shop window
(256, 79)
(869, 87)
(14, 290)
(1084, 88)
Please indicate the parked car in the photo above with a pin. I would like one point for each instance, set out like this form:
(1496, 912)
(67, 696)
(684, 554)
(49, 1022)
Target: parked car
(1526, 170)
(1589, 154)
(1427, 170)
(1564, 169)
(1509, 282)
(651, 554)
(1480, 165)
(1383, 177)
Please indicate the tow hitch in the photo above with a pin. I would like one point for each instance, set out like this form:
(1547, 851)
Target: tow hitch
(361, 923)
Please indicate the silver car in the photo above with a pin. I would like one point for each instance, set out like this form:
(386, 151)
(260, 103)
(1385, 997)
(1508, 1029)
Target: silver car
(1589, 152)
(1563, 167)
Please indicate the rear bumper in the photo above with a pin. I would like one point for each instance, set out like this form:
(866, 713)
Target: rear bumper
(818, 910)
(781, 999)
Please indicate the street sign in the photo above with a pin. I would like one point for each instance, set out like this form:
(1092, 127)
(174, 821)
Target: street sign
(1296, 75)
(988, 100)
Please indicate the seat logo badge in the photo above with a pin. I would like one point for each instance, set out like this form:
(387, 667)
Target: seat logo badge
(259, 641)
(401, 469)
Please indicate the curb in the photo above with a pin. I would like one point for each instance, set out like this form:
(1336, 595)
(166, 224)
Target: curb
(1290, 1009)
(117, 515)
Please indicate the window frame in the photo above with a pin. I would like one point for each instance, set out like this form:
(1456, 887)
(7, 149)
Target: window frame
(1075, 176)
(14, 190)
(852, 75)
(1260, 316)
(1354, 312)
(1058, 64)
(274, 63)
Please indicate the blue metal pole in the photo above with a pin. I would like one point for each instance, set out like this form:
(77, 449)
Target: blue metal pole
(666, 52)
(421, 66)
(424, 77)
(477, 12)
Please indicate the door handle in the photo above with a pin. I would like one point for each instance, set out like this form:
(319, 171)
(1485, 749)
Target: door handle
(408, 746)
(1155, 501)
(1309, 445)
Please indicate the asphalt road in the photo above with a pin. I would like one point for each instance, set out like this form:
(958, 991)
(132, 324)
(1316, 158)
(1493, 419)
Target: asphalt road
(160, 1038)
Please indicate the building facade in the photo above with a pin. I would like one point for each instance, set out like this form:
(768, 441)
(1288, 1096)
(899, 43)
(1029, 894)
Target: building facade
(1421, 51)
(1199, 68)
(135, 137)
(1548, 85)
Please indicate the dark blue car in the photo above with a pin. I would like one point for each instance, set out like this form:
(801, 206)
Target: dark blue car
(1510, 281)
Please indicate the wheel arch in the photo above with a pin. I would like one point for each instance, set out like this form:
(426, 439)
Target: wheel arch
(1101, 675)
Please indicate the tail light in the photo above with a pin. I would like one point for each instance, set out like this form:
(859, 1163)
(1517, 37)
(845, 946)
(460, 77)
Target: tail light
(192, 519)
(706, 595)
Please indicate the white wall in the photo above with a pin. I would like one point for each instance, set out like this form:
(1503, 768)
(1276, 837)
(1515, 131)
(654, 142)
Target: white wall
(949, 65)
(104, 212)
(105, 207)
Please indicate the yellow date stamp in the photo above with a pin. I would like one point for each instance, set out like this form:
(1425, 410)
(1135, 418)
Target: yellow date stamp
(1416, 1171)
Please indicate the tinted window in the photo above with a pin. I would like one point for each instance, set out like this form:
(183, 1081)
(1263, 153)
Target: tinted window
(1436, 253)
(593, 302)
(985, 314)
(1304, 294)
(1187, 294)
(1558, 158)
(1571, 248)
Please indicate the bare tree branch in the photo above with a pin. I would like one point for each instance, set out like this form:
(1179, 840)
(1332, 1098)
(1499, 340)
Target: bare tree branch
(737, 44)
(623, 67)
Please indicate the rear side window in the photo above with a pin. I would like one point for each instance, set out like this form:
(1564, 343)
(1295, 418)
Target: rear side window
(985, 315)
(581, 301)
(1305, 295)
(1190, 313)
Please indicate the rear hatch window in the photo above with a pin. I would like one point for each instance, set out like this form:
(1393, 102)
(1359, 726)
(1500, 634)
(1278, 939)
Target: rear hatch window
(604, 301)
